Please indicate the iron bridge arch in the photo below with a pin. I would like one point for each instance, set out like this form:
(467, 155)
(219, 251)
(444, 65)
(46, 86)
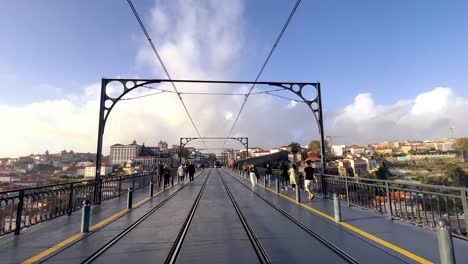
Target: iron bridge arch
(108, 102)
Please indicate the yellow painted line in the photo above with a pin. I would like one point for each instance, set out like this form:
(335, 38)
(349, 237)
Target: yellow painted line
(75, 237)
(355, 229)
(53, 249)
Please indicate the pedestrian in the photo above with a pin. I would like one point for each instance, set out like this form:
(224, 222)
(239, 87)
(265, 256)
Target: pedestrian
(284, 176)
(180, 173)
(268, 173)
(191, 171)
(160, 173)
(292, 176)
(310, 179)
(253, 177)
(167, 175)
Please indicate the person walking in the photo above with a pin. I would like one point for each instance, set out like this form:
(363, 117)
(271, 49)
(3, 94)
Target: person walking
(253, 177)
(292, 176)
(160, 173)
(310, 179)
(284, 176)
(191, 171)
(167, 175)
(268, 173)
(180, 173)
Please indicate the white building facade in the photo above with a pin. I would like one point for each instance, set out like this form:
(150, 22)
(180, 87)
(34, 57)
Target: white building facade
(120, 154)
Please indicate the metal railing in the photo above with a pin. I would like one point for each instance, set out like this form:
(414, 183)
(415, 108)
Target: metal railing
(419, 204)
(22, 208)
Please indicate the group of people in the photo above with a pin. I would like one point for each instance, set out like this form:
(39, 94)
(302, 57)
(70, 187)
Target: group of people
(184, 170)
(288, 176)
(164, 173)
(253, 172)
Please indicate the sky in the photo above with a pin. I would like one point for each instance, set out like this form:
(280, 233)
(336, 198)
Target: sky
(388, 71)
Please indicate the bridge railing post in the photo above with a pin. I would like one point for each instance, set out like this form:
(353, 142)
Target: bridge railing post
(347, 190)
(444, 236)
(151, 188)
(85, 216)
(70, 200)
(337, 207)
(130, 198)
(465, 209)
(388, 204)
(19, 212)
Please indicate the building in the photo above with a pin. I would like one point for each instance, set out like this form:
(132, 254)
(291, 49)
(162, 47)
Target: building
(120, 154)
(260, 153)
(444, 146)
(162, 145)
(338, 150)
(406, 148)
(359, 167)
(145, 160)
(77, 171)
(371, 162)
(90, 170)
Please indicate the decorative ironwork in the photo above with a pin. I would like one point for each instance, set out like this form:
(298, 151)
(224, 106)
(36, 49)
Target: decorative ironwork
(108, 102)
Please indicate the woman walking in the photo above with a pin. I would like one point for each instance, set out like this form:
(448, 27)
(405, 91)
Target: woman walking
(180, 173)
(292, 176)
(253, 177)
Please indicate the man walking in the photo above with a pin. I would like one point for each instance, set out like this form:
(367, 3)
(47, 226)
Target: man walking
(309, 179)
(191, 171)
(160, 173)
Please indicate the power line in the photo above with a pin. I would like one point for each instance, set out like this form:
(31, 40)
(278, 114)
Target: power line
(269, 92)
(141, 96)
(153, 47)
(264, 65)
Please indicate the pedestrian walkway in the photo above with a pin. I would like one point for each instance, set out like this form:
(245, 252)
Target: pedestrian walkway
(59, 233)
(387, 235)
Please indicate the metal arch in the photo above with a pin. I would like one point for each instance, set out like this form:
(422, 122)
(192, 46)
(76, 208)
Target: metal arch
(130, 84)
(185, 140)
(315, 105)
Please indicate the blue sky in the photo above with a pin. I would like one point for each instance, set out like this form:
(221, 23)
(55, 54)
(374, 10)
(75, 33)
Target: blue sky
(391, 51)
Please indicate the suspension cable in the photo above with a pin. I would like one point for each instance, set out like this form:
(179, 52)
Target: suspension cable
(153, 47)
(263, 66)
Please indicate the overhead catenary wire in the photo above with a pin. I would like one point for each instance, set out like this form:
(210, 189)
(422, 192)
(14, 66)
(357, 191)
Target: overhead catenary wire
(293, 11)
(161, 90)
(153, 47)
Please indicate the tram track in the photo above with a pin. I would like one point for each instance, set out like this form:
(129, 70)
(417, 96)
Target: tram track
(335, 249)
(175, 250)
(257, 245)
(127, 230)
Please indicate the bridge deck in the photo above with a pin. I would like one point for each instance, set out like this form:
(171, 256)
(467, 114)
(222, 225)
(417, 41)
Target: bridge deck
(216, 233)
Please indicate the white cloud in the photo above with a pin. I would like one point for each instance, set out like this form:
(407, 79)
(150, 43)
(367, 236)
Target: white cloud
(427, 116)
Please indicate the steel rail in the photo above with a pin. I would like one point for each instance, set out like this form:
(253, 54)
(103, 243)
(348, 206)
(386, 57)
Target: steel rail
(122, 234)
(345, 256)
(175, 250)
(257, 245)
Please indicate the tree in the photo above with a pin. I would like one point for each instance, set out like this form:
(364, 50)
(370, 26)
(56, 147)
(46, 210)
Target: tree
(295, 147)
(461, 145)
(457, 175)
(314, 145)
